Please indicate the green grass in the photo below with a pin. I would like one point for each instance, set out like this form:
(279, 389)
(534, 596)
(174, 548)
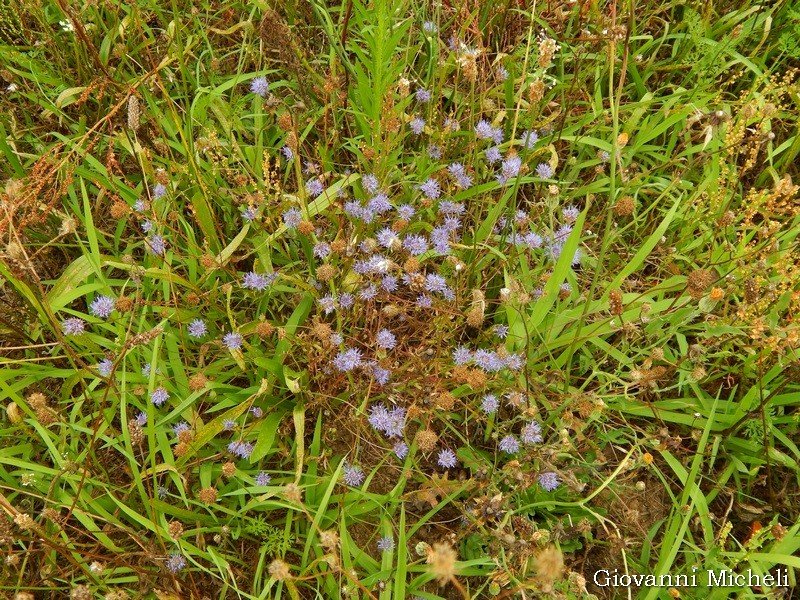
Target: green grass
(661, 366)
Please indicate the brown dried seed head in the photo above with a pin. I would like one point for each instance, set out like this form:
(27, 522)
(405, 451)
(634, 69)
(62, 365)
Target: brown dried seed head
(293, 493)
(717, 294)
(279, 570)
(445, 401)
(285, 121)
(119, 209)
(322, 331)
(476, 379)
(124, 304)
(197, 382)
(536, 91)
(175, 529)
(208, 495)
(265, 328)
(426, 439)
(329, 539)
(306, 227)
(624, 206)
(442, 560)
(615, 302)
(549, 564)
(208, 261)
(411, 265)
(338, 246)
(136, 433)
(698, 282)
(326, 272)
(182, 449)
(229, 469)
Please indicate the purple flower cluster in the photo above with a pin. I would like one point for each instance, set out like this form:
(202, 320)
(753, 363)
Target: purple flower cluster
(258, 281)
(159, 396)
(485, 131)
(391, 423)
(447, 459)
(353, 475)
(549, 481)
(197, 328)
(348, 360)
(233, 340)
(260, 86)
(531, 433)
(102, 306)
(240, 448)
(488, 360)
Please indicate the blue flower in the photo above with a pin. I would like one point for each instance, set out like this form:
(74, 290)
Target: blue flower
(381, 375)
(175, 563)
(417, 125)
(501, 331)
(434, 151)
(429, 27)
(233, 340)
(529, 139)
(544, 170)
(73, 326)
(102, 306)
(484, 130)
(406, 211)
(156, 244)
(400, 450)
(353, 475)
(369, 292)
(493, 155)
(292, 217)
(240, 449)
(327, 303)
(431, 189)
(385, 339)
(104, 367)
(379, 204)
(549, 481)
(389, 283)
(415, 244)
(509, 444)
(422, 95)
(490, 404)
(390, 422)
(386, 544)
(447, 459)
(531, 433)
(510, 168)
(260, 86)
(287, 152)
(570, 213)
(462, 355)
(322, 249)
(258, 281)
(263, 479)
(314, 187)
(179, 428)
(369, 183)
(159, 396)
(197, 328)
(159, 190)
(249, 214)
(347, 360)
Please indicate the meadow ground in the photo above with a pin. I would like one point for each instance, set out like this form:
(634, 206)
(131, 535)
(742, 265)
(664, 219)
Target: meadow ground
(399, 299)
